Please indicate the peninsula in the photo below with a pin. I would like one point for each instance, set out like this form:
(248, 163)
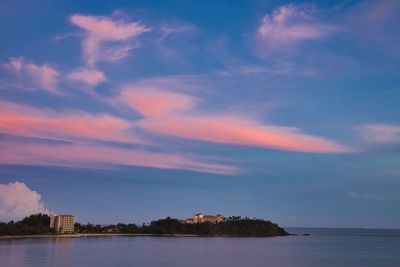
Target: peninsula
(38, 224)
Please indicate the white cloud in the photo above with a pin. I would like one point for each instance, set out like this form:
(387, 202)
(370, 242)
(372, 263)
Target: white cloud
(289, 25)
(32, 76)
(106, 39)
(18, 201)
(87, 76)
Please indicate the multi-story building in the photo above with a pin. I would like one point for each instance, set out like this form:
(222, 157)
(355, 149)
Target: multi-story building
(200, 218)
(62, 223)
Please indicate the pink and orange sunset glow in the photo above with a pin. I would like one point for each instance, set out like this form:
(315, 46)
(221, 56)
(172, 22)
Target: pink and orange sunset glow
(163, 109)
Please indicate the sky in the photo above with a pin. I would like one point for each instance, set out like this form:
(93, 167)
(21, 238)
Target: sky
(129, 111)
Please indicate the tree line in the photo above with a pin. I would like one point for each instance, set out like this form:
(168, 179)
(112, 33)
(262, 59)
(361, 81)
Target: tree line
(232, 226)
(35, 224)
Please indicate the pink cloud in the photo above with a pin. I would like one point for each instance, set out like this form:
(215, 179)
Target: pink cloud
(289, 25)
(41, 77)
(14, 64)
(155, 103)
(171, 113)
(380, 133)
(87, 76)
(77, 127)
(90, 156)
(20, 120)
(106, 39)
(239, 131)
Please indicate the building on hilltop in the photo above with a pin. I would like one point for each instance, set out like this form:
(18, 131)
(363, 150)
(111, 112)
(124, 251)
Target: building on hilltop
(201, 218)
(62, 223)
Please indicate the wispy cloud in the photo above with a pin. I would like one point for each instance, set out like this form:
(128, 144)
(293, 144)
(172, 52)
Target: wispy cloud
(100, 156)
(174, 113)
(372, 26)
(80, 129)
(284, 70)
(366, 196)
(63, 125)
(374, 17)
(31, 76)
(89, 77)
(17, 200)
(106, 38)
(290, 25)
(380, 133)
(176, 28)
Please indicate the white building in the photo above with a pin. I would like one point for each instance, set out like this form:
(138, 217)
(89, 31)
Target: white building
(200, 218)
(62, 223)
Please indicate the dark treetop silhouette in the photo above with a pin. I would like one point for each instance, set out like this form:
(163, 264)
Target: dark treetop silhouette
(233, 226)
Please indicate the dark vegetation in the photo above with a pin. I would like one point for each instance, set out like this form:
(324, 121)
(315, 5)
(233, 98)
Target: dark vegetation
(33, 225)
(232, 226)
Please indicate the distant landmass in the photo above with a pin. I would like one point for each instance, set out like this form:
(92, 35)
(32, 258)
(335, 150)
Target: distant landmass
(38, 224)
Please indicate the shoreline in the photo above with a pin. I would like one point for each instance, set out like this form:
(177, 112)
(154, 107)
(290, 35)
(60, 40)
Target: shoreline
(8, 237)
(88, 235)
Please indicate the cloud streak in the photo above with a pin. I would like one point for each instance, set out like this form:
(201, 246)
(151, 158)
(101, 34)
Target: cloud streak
(365, 196)
(69, 125)
(80, 129)
(173, 114)
(99, 156)
(380, 133)
(169, 29)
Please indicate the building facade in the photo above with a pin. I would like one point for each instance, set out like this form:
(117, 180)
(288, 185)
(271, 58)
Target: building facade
(201, 218)
(62, 223)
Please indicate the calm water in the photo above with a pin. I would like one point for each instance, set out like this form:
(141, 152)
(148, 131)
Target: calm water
(324, 247)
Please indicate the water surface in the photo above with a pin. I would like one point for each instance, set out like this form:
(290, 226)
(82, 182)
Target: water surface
(324, 247)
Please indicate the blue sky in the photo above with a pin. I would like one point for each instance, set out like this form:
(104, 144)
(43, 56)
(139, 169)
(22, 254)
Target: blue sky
(128, 112)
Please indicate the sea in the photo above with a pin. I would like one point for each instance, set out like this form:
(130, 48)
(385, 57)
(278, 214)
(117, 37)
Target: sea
(321, 248)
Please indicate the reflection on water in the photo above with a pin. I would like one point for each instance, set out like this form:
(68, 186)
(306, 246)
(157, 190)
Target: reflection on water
(324, 247)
